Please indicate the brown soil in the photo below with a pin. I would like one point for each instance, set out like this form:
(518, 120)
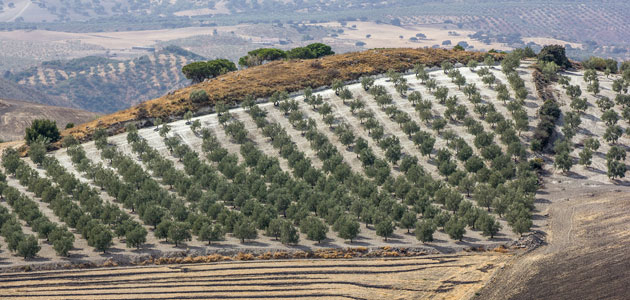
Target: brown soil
(587, 256)
(262, 81)
(16, 116)
(428, 277)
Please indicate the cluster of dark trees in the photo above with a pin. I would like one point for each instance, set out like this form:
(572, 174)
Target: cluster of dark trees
(262, 55)
(42, 130)
(202, 70)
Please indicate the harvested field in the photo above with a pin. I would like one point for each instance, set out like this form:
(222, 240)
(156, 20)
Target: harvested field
(428, 277)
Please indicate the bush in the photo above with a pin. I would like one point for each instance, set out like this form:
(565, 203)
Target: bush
(198, 96)
(43, 128)
(554, 53)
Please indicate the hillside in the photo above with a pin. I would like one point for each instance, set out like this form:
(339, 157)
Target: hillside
(12, 90)
(16, 116)
(106, 85)
(434, 162)
(248, 168)
(262, 81)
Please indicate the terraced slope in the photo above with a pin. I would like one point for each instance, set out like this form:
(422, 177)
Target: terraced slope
(435, 277)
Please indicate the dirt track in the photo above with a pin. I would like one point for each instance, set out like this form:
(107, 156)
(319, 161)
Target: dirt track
(587, 256)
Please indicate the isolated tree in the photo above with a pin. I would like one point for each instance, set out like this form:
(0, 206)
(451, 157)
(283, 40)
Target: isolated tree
(610, 117)
(604, 103)
(367, 82)
(101, 238)
(616, 153)
(314, 229)
(579, 104)
(484, 194)
(613, 133)
(211, 233)
(289, 234)
(245, 230)
(63, 245)
(179, 232)
(616, 169)
(472, 64)
(441, 93)
(455, 228)
(424, 231)
(345, 94)
(438, 124)
(585, 157)
(37, 151)
(521, 225)
(28, 247)
(488, 225)
(42, 129)
(274, 229)
(385, 228)
(347, 227)
(136, 237)
(460, 81)
(408, 220)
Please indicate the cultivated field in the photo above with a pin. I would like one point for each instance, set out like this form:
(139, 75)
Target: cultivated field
(381, 168)
(429, 277)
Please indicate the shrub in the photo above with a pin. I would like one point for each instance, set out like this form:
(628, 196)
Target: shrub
(554, 53)
(43, 128)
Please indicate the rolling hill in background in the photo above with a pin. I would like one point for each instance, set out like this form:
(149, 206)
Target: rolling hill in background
(104, 85)
(16, 115)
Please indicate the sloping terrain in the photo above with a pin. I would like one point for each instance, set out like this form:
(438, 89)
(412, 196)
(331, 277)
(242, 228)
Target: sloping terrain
(12, 90)
(263, 81)
(16, 116)
(106, 85)
(586, 256)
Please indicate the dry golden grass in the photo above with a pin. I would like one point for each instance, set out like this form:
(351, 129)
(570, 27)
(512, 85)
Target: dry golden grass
(436, 277)
(262, 81)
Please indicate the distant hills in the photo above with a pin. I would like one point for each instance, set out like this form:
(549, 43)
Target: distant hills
(102, 84)
(15, 116)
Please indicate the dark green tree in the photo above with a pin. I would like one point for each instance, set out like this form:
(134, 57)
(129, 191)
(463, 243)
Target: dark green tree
(42, 129)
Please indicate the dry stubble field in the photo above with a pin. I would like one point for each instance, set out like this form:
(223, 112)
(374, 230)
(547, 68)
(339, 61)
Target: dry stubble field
(429, 277)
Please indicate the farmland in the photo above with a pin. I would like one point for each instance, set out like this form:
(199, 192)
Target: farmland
(433, 160)
(438, 277)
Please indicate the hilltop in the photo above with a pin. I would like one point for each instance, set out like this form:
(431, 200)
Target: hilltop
(262, 81)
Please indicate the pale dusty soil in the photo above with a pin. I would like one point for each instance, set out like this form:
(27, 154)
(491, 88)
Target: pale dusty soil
(428, 277)
(585, 216)
(387, 36)
(592, 125)
(368, 236)
(550, 41)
